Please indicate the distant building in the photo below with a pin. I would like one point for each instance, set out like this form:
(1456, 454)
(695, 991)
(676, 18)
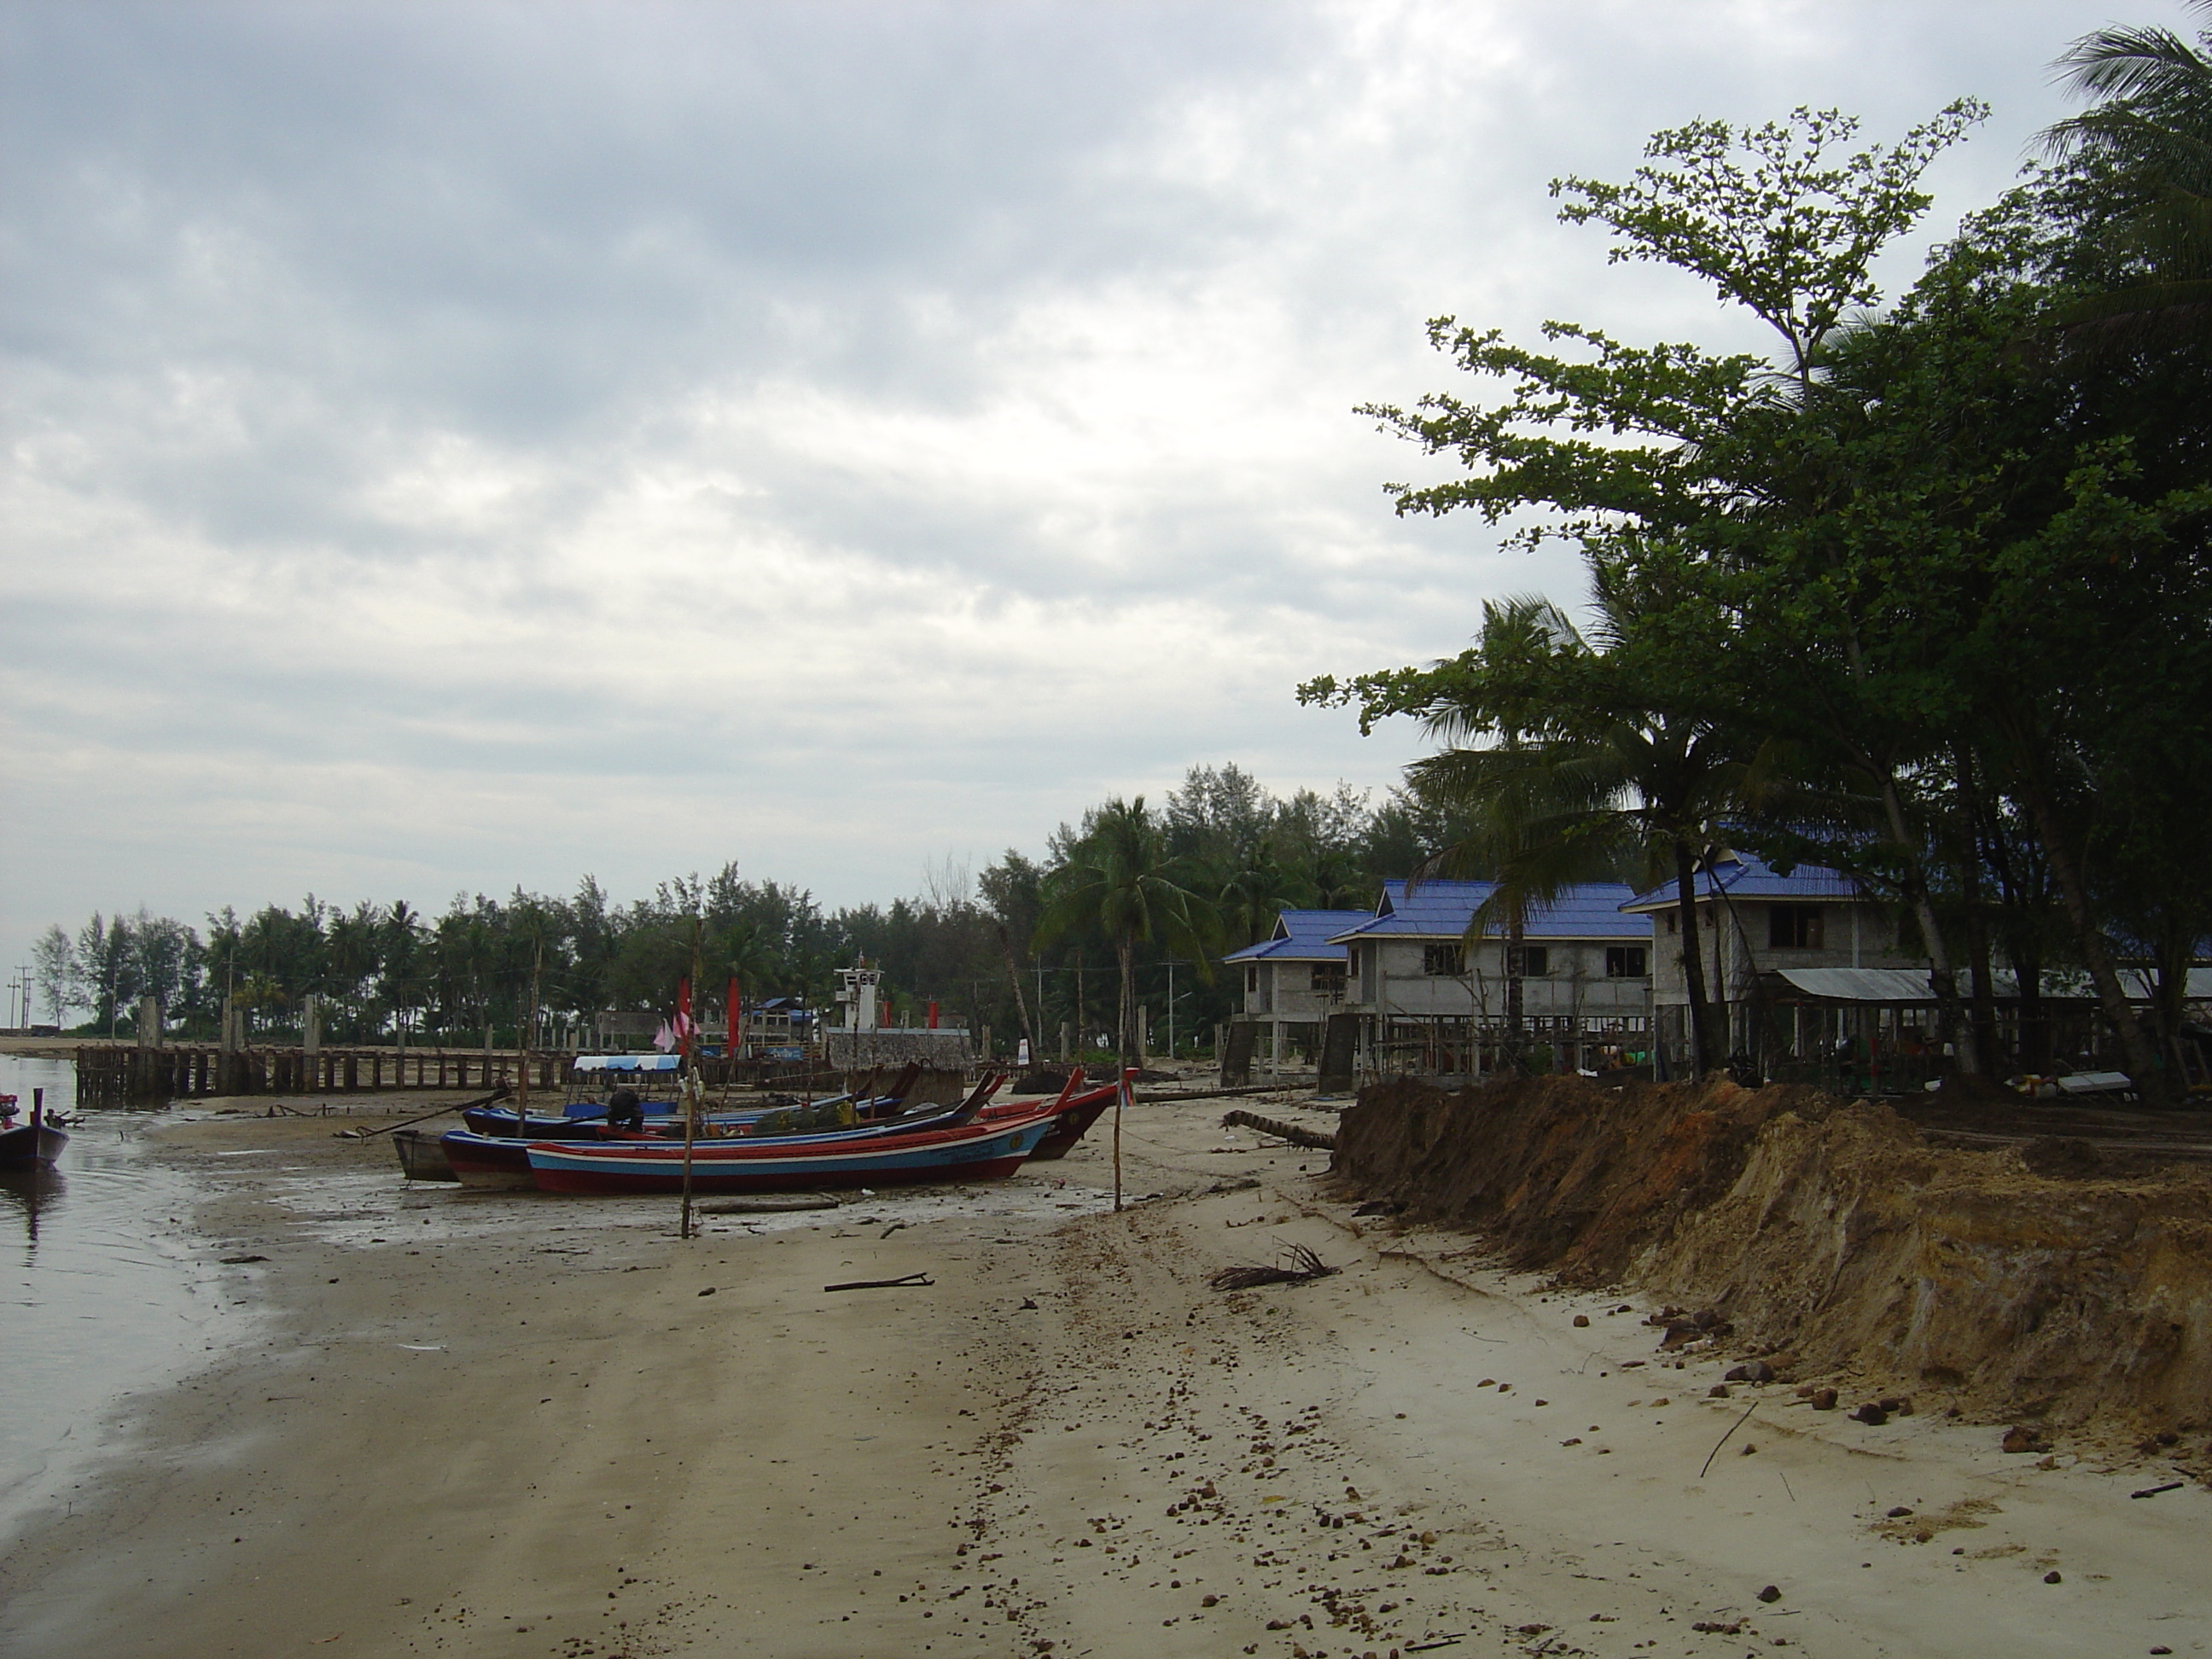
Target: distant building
(1430, 1000)
(1294, 979)
(1770, 944)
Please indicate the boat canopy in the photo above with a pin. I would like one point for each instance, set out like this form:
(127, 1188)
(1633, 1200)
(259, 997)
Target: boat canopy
(629, 1062)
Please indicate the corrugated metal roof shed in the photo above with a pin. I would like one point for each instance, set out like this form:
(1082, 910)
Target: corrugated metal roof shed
(1744, 877)
(1910, 984)
(1862, 984)
(1441, 910)
(1302, 936)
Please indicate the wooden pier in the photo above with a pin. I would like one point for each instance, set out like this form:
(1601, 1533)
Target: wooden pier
(124, 1076)
(120, 1074)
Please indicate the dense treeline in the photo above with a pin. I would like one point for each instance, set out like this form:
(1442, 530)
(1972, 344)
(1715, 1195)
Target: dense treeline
(1924, 593)
(965, 944)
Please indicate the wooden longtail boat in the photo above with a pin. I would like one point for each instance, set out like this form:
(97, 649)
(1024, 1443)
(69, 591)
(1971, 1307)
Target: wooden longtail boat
(501, 1162)
(491, 1162)
(35, 1142)
(421, 1156)
(970, 1151)
(583, 1120)
(1074, 1120)
(1074, 1115)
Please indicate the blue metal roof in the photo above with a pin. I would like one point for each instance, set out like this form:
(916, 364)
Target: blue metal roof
(1302, 936)
(1443, 910)
(1741, 876)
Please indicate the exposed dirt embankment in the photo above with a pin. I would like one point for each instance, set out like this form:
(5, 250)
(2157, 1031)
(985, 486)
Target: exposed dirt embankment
(1833, 1231)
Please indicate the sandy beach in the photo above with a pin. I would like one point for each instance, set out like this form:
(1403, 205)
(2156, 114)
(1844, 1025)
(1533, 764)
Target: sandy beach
(493, 1424)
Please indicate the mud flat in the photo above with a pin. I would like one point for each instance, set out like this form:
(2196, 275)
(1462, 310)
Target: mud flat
(477, 1425)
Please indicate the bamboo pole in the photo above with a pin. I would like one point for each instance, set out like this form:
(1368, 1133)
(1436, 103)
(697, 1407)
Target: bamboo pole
(690, 1084)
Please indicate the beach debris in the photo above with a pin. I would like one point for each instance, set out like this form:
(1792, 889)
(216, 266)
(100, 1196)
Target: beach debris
(358, 1134)
(2022, 1439)
(1297, 1264)
(908, 1281)
(2052, 1578)
(709, 1291)
(1724, 1440)
(1379, 1206)
(2152, 1491)
(1823, 1400)
(1869, 1413)
(1757, 1371)
(1290, 1132)
(1771, 1594)
(1581, 1322)
(240, 1260)
(770, 1204)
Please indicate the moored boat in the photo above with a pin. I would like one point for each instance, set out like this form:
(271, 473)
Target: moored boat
(1074, 1120)
(968, 1152)
(25, 1143)
(421, 1156)
(1074, 1113)
(487, 1162)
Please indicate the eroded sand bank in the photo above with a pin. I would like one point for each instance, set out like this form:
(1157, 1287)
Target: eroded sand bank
(499, 1426)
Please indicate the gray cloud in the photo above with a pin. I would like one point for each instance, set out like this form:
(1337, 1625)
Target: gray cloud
(456, 444)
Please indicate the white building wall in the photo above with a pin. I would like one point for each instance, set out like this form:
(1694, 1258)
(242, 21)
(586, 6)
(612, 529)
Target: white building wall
(1392, 981)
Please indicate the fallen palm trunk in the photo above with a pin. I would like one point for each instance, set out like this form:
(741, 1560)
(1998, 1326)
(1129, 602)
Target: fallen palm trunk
(1290, 1132)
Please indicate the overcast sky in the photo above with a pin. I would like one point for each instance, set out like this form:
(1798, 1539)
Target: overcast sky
(458, 445)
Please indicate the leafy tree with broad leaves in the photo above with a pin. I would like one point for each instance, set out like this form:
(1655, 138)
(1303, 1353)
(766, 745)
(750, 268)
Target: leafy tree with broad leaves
(1660, 462)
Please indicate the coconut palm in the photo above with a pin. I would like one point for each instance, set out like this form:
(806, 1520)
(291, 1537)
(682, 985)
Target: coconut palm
(1565, 773)
(1120, 880)
(2151, 138)
(1259, 890)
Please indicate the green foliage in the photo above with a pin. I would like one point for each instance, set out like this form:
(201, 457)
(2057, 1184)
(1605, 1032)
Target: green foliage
(1935, 543)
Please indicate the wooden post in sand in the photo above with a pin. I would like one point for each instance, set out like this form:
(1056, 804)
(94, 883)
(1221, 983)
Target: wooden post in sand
(1121, 1098)
(690, 1077)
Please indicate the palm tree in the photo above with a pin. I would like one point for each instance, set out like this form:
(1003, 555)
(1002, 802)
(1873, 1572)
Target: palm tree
(1567, 771)
(1119, 879)
(1260, 889)
(2152, 136)
(400, 953)
(751, 953)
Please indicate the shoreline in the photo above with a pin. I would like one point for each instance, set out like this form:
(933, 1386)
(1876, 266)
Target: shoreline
(560, 1432)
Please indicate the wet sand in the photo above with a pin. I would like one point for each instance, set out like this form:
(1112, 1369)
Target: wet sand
(484, 1426)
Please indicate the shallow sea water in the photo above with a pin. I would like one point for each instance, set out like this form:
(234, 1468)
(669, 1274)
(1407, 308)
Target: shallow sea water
(104, 1293)
(107, 1293)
